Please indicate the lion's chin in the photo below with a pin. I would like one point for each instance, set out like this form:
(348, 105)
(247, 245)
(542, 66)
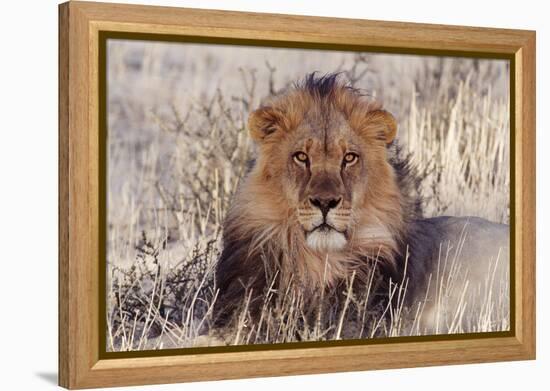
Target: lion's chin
(326, 240)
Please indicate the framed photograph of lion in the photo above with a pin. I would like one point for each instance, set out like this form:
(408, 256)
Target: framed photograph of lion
(239, 187)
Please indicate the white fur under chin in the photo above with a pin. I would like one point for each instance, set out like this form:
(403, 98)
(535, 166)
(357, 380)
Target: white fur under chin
(321, 240)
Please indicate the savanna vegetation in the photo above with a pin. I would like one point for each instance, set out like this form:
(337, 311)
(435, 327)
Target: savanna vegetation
(178, 147)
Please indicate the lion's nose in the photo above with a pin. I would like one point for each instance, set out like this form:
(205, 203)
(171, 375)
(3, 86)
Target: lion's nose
(325, 204)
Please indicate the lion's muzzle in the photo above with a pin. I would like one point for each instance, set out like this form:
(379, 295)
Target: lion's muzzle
(325, 222)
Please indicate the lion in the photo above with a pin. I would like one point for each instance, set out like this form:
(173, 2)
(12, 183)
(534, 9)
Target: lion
(329, 197)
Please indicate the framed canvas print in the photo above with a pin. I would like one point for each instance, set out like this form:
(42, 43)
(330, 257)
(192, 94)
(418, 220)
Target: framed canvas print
(255, 195)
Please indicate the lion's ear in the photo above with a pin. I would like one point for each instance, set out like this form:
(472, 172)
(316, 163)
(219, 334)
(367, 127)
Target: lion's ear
(264, 122)
(386, 122)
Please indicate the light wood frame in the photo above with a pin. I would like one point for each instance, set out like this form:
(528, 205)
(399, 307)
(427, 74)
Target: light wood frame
(80, 23)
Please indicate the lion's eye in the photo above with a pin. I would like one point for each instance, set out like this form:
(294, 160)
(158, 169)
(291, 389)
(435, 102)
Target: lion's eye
(350, 158)
(300, 157)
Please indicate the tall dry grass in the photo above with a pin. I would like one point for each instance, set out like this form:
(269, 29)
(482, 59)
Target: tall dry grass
(178, 147)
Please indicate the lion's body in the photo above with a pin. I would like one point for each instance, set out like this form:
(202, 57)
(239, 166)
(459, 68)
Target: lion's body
(329, 199)
(467, 266)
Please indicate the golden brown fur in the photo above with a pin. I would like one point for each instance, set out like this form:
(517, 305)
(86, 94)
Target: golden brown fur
(324, 199)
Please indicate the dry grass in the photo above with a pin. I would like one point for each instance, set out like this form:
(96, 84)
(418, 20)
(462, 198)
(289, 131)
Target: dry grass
(178, 148)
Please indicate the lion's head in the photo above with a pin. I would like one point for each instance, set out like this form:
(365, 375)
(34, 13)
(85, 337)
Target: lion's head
(323, 147)
(324, 197)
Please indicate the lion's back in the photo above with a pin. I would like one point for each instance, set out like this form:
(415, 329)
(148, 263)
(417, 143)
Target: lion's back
(469, 267)
(477, 242)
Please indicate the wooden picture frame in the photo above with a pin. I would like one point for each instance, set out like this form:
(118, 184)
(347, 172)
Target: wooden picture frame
(81, 24)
